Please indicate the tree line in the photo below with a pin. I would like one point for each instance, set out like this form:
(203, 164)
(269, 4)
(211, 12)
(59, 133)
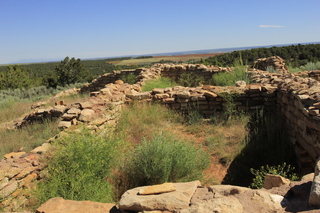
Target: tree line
(294, 55)
(53, 74)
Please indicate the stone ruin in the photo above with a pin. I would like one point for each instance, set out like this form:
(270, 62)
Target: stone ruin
(275, 62)
(296, 98)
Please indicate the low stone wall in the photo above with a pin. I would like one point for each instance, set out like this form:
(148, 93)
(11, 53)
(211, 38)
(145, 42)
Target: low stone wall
(172, 71)
(209, 99)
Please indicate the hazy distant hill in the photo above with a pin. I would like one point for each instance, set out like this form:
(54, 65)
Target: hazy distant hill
(220, 50)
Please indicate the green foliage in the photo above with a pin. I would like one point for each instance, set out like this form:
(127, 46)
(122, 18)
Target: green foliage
(71, 71)
(310, 66)
(164, 159)
(239, 73)
(271, 69)
(193, 117)
(190, 79)
(15, 77)
(229, 106)
(79, 168)
(284, 170)
(32, 94)
(158, 83)
(130, 79)
(296, 55)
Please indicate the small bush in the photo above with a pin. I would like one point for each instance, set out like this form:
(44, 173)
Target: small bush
(229, 78)
(165, 159)
(188, 79)
(284, 170)
(310, 66)
(271, 69)
(158, 83)
(130, 79)
(79, 168)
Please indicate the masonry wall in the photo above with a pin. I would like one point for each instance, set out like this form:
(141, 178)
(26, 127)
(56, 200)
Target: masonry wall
(297, 98)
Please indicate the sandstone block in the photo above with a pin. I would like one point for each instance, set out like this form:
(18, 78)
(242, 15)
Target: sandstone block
(157, 189)
(119, 82)
(64, 124)
(217, 205)
(171, 201)
(183, 94)
(86, 115)
(41, 149)
(274, 181)
(14, 155)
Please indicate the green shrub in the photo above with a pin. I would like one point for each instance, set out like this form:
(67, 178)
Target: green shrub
(229, 78)
(190, 79)
(165, 159)
(158, 83)
(310, 66)
(79, 168)
(284, 170)
(130, 79)
(271, 69)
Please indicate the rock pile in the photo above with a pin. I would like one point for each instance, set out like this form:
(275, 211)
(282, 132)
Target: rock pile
(18, 171)
(276, 62)
(191, 197)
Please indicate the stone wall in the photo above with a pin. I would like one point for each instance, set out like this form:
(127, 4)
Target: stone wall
(172, 71)
(297, 98)
(274, 61)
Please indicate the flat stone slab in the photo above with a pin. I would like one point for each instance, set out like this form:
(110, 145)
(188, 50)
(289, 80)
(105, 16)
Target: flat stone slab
(157, 189)
(171, 201)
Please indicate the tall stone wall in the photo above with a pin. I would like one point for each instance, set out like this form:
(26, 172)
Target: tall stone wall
(298, 100)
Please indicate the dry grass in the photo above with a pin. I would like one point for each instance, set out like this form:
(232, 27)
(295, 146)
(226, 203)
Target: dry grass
(14, 110)
(28, 137)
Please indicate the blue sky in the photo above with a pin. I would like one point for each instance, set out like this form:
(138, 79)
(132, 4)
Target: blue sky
(54, 29)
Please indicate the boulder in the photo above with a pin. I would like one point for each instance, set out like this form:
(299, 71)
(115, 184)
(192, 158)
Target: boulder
(59, 205)
(119, 82)
(217, 205)
(274, 181)
(170, 201)
(314, 198)
(14, 155)
(86, 115)
(64, 124)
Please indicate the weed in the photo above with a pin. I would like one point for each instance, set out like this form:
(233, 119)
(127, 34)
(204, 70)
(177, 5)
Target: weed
(158, 83)
(310, 66)
(79, 168)
(284, 170)
(142, 120)
(130, 79)
(239, 73)
(165, 159)
(190, 79)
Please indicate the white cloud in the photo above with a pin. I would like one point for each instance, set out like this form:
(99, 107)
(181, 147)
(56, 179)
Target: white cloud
(270, 26)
